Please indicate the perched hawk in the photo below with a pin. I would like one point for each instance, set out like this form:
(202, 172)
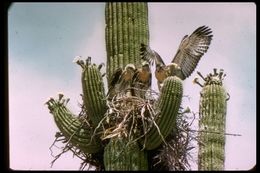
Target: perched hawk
(142, 80)
(190, 50)
(121, 80)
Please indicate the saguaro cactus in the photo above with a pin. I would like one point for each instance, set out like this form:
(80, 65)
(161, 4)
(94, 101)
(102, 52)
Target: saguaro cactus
(124, 130)
(212, 112)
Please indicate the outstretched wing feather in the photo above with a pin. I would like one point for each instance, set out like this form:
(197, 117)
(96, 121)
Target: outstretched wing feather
(192, 48)
(149, 55)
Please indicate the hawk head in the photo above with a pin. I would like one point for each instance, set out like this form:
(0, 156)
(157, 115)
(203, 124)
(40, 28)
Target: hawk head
(130, 68)
(146, 66)
(175, 70)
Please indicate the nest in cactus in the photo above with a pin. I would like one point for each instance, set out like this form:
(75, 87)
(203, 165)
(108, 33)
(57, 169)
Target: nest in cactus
(129, 116)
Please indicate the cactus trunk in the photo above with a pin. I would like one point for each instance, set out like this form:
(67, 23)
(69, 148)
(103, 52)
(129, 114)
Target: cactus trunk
(126, 29)
(119, 155)
(212, 122)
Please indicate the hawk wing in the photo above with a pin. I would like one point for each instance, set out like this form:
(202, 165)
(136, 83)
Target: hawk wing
(149, 55)
(115, 79)
(191, 49)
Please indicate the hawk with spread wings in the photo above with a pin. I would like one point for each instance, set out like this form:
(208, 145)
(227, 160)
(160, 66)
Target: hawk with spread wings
(190, 51)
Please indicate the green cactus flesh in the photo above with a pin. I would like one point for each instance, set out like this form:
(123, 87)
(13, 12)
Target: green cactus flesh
(119, 155)
(126, 29)
(93, 93)
(168, 105)
(212, 112)
(71, 127)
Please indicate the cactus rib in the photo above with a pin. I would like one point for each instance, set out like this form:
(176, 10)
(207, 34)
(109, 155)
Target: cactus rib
(71, 127)
(93, 93)
(124, 34)
(119, 155)
(168, 105)
(212, 112)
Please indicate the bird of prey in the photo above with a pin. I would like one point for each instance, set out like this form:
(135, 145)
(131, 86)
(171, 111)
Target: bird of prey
(142, 80)
(190, 51)
(121, 80)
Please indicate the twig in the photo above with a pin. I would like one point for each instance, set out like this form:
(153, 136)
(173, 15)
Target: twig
(205, 131)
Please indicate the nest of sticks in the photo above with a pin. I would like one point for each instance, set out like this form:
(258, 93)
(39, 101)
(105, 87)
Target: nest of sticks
(132, 117)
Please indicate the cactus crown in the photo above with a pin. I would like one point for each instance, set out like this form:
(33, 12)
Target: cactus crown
(215, 78)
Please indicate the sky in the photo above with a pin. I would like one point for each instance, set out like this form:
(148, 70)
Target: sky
(44, 38)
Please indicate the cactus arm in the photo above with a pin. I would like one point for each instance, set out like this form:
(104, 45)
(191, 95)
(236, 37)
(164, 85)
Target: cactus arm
(71, 127)
(93, 93)
(168, 105)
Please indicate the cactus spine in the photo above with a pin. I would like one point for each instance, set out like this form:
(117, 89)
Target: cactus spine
(212, 111)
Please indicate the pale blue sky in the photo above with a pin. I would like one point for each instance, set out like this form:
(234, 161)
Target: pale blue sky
(44, 38)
